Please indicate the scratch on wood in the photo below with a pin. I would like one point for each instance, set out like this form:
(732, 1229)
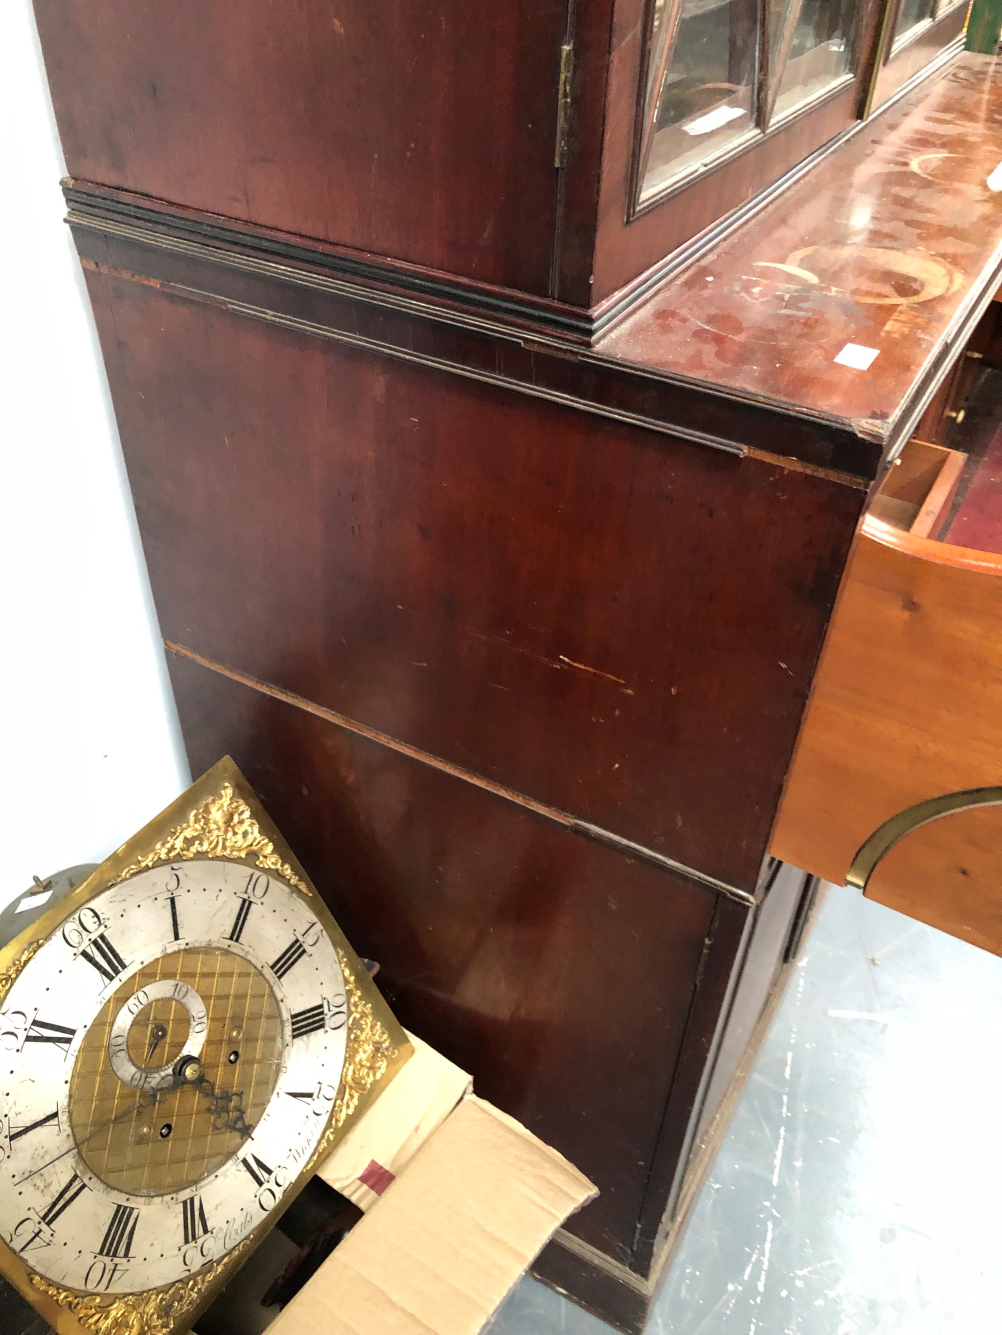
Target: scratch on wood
(596, 671)
(560, 662)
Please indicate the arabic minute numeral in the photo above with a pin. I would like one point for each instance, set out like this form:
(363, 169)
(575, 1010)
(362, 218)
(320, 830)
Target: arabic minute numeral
(193, 1212)
(101, 1275)
(77, 931)
(319, 1100)
(104, 957)
(63, 1201)
(336, 1009)
(257, 886)
(28, 1234)
(289, 957)
(85, 938)
(122, 1229)
(308, 1021)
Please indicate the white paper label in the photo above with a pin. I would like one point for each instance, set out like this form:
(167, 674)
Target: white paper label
(994, 181)
(856, 356)
(713, 120)
(32, 902)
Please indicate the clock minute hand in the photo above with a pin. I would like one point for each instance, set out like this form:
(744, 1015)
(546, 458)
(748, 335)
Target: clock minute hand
(146, 1101)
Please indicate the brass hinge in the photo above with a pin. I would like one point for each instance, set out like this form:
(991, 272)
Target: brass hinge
(564, 103)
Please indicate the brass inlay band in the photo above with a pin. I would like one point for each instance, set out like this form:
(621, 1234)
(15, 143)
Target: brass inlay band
(894, 830)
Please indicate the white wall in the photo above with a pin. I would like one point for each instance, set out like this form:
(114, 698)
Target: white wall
(89, 740)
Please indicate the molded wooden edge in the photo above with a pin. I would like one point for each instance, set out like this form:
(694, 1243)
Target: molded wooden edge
(930, 549)
(688, 409)
(508, 308)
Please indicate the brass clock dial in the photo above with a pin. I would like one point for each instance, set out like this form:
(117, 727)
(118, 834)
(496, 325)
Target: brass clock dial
(176, 1051)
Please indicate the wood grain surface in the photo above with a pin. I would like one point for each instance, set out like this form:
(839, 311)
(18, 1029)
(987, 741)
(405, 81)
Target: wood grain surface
(618, 624)
(425, 134)
(907, 705)
(557, 971)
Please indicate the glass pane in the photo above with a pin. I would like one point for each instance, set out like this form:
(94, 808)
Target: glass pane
(911, 14)
(701, 93)
(810, 44)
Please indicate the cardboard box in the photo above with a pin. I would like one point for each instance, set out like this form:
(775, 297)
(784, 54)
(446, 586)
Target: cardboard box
(459, 1198)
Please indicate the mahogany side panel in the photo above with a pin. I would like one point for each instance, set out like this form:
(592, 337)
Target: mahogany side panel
(598, 1290)
(421, 133)
(559, 972)
(774, 919)
(618, 624)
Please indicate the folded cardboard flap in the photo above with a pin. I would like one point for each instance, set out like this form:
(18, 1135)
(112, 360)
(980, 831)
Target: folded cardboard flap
(412, 1106)
(451, 1236)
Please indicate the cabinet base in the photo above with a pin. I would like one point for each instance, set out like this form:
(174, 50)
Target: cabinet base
(613, 1292)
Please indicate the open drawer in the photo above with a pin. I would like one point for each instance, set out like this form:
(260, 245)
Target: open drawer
(906, 709)
(920, 484)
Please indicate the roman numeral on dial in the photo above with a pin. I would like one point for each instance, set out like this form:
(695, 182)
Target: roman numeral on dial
(44, 1031)
(258, 1170)
(289, 957)
(308, 1021)
(240, 921)
(195, 1226)
(172, 901)
(122, 1229)
(104, 957)
(63, 1201)
(17, 1132)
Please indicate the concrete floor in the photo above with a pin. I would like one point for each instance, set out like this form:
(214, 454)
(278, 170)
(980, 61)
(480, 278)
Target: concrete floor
(858, 1188)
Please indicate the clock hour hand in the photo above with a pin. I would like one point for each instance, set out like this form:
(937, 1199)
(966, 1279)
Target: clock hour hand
(227, 1106)
(157, 1034)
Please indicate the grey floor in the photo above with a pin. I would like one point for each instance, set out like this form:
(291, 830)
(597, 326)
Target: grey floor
(859, 1189)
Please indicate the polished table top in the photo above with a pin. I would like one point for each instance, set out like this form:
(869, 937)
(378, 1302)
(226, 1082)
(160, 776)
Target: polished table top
(836, 296)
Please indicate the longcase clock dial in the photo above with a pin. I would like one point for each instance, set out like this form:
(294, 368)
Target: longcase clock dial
(173, 1056)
